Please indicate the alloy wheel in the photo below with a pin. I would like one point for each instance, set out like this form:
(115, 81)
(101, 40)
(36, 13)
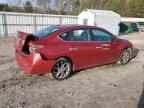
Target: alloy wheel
(61, 69)
(125, 57)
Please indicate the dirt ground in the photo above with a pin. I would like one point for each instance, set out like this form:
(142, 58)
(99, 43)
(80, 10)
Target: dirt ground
(109, 86)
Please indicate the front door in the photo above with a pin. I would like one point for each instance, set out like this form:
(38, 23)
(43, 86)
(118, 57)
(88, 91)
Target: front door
(106, 49)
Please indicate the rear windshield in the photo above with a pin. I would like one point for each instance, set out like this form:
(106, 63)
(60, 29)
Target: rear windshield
(46, 31)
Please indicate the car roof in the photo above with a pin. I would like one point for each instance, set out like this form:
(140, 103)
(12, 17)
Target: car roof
(64, 26)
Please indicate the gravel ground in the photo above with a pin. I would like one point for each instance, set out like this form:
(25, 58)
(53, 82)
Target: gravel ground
(109, 86)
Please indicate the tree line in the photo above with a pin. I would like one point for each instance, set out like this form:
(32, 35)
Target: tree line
(126, 8)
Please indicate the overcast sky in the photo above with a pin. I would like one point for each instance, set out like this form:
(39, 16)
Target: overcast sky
(3, 1)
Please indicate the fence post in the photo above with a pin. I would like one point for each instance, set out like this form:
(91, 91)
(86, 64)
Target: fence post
(35, 25)
(60, 20)
(5, 27)
(1, 25)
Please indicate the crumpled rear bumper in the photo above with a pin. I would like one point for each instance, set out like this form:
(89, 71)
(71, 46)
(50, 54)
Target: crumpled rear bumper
(33, 63)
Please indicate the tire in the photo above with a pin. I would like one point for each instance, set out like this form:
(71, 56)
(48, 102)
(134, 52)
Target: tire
(61, 70)
(124, 57)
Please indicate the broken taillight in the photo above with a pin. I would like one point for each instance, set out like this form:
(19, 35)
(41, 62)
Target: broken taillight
(35, 48)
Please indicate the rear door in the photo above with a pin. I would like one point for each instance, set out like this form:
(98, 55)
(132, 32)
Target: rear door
(81, 48)
(106, 50)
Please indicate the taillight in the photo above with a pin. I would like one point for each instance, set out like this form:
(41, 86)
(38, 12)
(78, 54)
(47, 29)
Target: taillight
(35, 48)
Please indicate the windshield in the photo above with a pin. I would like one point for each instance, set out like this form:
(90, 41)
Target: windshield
(46, 31)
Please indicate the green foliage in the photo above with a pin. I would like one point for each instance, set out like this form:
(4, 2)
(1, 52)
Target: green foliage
(3, 7)
(126, 8)
(136, 8)
(28, 7)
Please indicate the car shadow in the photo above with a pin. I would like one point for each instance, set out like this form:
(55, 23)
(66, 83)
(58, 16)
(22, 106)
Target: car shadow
(141, 100)
(74, 73)
(135, 52)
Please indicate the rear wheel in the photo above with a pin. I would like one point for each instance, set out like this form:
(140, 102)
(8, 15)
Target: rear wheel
(61, 69)
(125, 57)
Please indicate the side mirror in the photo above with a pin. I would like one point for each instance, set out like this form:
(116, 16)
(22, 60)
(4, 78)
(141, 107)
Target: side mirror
(114, 39)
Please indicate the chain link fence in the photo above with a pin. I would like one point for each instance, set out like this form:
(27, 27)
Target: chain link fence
(11, 22)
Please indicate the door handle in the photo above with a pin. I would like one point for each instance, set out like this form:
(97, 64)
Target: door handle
(73, 49)
(106, 45)
(99, 47)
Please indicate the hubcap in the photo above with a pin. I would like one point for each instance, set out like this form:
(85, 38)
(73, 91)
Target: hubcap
(125, 57)
(61, 69)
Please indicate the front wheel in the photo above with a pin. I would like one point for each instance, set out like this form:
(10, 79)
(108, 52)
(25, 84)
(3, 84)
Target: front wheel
(61, 69)
(125, 57)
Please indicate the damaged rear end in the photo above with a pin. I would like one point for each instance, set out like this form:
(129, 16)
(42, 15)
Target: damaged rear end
(22, 42)
(27, 54)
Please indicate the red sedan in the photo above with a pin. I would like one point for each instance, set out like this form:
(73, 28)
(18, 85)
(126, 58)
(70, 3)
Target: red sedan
(61, 49)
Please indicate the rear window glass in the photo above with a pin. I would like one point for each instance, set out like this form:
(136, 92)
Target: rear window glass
(46, 31)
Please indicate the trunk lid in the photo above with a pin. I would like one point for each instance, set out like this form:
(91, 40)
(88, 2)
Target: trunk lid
(21, 41)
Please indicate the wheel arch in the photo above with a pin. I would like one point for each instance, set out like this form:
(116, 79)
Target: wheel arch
(130, 50)
(68, 59)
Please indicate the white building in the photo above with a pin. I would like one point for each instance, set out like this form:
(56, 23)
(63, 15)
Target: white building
(132, 20)
(108, 20)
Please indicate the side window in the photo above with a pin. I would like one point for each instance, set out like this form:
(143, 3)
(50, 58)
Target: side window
(78, 35)
(100, 35)
(63, 36)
